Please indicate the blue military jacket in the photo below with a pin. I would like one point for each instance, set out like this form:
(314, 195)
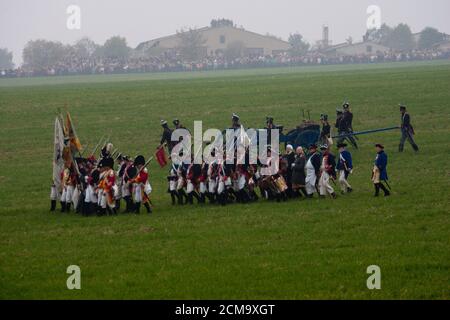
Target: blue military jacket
(345, 161)
(381, 162)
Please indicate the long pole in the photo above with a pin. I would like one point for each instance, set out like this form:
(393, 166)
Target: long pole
(364, 132)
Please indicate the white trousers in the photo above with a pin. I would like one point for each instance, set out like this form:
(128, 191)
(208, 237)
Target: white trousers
(67, 194)
(125, 190)
(137, 194)
(91, 196)
(324, 184)
(202, 187)
(343, 181)
(310, 182)
(212, 184)
(54, 194)
(101, 198)
(173, 185)
(75, 197)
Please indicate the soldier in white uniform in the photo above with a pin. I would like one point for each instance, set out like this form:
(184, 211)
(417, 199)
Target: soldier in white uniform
(312, 170)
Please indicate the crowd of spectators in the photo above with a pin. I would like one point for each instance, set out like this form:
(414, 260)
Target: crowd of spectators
(170, 62)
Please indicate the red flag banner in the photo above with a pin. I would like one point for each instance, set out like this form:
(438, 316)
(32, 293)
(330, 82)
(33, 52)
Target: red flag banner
(161, 157)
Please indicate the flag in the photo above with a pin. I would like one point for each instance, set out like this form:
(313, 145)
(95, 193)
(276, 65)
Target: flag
(161, 157)
(58, 159)
(75, 145)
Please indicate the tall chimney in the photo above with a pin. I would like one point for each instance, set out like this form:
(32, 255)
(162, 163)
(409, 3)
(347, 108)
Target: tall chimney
(325, 36)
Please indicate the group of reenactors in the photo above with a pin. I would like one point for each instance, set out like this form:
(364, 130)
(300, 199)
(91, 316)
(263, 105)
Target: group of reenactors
(301, 172)
(93, 187)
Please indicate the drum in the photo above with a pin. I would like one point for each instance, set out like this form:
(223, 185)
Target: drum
(281, 184)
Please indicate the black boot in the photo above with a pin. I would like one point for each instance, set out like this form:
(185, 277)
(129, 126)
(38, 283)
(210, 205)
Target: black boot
(68, 206)
(202, 198)
(377, 189)
(84, 209)
(117, 204)
(183, 196)
(221, 199)
(53, 205)
(129, 204)
(147, 207)
(137, 208)
(415, 147)
(180, 198)
(195, 195)
(244, 196)
(101, 211)
(63, 206)
(385, 190)
(173, 197)
(189, 198)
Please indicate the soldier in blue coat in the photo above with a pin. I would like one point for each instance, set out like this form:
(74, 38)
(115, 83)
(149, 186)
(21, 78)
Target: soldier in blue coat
(407, 130)
(379, 173)
(344, 167)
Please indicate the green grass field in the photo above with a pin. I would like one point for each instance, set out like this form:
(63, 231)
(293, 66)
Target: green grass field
(296, 250)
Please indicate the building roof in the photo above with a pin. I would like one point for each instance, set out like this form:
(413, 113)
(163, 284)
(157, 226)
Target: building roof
(151, 43)
(350, 45)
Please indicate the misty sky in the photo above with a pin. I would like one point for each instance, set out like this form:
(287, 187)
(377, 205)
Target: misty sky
(141, 20)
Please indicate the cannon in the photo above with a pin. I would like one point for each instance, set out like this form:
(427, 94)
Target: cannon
(308, 132)
(304, 135)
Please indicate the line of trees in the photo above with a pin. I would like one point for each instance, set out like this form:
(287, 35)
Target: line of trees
(401, 38)
(42, 54)
(6, 59)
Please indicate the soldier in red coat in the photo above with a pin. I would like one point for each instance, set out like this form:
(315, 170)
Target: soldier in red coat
(140, 182)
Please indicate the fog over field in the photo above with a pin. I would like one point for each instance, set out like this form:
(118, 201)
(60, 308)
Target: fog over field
(141, 20)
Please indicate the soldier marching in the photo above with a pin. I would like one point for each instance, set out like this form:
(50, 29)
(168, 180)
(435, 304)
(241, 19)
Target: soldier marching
(97, 185)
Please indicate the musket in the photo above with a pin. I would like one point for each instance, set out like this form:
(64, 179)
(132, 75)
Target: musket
(106, 141)
(96, 147)
(114, 152)
(387, 183)
(117, 157)
(84, 149)
(146, 164)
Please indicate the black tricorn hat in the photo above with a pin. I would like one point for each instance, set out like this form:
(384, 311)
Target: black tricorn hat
(176, 122)
(346, 105)
(139, 160)
(235, 117)
(269, 119)
(324, 117)
(379, 145)
(313, 146)
(108, 162)
(402, 107)
(341, 145)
